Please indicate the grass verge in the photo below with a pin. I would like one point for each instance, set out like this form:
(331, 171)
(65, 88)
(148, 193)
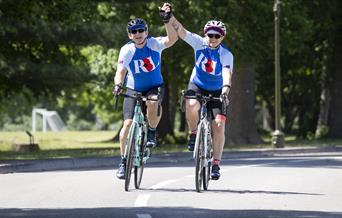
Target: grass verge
(100, 144)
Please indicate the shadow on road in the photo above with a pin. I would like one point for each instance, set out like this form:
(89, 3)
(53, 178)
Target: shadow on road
(216, 191)
(165, 212)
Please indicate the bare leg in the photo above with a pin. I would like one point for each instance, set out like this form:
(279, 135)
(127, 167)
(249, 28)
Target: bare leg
(218, 140)
(123, 135)
(191, 112)
(152, 113)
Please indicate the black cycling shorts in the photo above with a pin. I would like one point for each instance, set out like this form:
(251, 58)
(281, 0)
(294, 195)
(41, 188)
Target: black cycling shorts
(129, 103)
(214, 107)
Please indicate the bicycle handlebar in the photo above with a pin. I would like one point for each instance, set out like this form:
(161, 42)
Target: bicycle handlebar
(139, 97)
(205, 98)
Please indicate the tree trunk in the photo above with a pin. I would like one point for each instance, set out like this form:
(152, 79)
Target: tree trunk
(335, 115)
(241, 125)
(164, 126)
(322, 123)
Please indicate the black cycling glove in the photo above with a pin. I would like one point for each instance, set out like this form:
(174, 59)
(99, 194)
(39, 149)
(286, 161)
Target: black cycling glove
(165, 16)
(117, 89)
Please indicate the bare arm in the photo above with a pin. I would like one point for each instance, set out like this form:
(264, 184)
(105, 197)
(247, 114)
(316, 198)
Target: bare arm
(120, 75)
(181, 31)
(171, 37)
(227, 80)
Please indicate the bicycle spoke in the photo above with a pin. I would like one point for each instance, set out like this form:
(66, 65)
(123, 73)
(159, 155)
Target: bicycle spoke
(139, 170)
(199, 160)
(129, 158)
(208, 155)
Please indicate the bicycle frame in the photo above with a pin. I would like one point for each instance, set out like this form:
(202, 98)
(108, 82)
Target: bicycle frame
(206, 125)
(138, 127)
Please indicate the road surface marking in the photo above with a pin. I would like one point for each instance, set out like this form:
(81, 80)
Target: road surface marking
(144, 215)
(142, 199)
(162, 184)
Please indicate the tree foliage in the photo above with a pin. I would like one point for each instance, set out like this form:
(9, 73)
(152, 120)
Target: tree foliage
(65, 52)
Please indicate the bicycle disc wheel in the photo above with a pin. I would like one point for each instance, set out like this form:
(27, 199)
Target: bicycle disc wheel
(139, 170)
(129, 158)
(199, 160)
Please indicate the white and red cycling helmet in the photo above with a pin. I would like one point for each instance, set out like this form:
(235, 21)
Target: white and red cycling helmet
(215, 25)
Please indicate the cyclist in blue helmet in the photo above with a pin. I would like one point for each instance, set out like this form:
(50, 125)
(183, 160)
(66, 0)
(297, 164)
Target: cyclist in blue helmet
(139, 69)
(211, 75)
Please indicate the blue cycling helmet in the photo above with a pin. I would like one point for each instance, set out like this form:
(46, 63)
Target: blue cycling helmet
(137, 23)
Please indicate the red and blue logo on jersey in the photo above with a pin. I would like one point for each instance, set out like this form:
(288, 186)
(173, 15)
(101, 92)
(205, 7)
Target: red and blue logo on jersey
(144, 65)
(206, 64)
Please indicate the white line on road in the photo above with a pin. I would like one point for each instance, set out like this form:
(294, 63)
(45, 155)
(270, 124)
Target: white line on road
(142, 199)
(162, 184)
(144, 215)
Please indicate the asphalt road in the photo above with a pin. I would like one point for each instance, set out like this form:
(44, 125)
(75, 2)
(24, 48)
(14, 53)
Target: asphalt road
(278, 185)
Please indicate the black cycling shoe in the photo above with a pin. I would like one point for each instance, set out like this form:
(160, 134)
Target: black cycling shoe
(151, 139)
(191, 143)
(120, 174)
(215, 172)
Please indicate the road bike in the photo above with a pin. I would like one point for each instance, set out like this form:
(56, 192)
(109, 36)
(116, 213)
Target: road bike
(203, 145)
(136, 153)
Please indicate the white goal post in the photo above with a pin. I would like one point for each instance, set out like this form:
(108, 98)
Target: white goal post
(51, 120)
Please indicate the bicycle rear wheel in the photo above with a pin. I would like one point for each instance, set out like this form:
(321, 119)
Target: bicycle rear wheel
(139, 170)
(129, 155)
(199, 159)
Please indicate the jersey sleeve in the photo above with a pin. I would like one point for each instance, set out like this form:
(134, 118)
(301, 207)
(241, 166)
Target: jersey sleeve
(227, 60)
(194, 40)
(123, 59)
(157, 44)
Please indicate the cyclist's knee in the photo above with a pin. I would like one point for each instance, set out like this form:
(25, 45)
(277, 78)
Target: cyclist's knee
(152, 104)
(220, 120)
(192, 104)
(127, 123)
(218, 128)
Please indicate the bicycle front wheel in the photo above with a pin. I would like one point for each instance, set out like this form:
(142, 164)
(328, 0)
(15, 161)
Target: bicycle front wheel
(129, 154)
(208, 156)
(139, 170)
(199, 159)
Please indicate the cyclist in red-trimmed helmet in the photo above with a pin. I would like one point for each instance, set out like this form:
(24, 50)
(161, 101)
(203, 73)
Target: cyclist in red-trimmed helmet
(211, 75)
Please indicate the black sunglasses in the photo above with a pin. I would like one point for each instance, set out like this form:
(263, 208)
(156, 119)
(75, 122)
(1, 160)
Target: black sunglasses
(217, 36)
(138, 30)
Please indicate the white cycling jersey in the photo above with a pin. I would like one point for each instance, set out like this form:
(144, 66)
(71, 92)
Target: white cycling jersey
(142, 64)
(207, 72)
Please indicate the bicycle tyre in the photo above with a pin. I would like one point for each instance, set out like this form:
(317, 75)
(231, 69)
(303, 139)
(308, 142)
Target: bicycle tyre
(207, 168)
(129, 157)
(199, 160)
(139, 170)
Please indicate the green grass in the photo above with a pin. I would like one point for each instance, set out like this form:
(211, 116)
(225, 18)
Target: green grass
(60, 144)
(60, 140)
(100, 144)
